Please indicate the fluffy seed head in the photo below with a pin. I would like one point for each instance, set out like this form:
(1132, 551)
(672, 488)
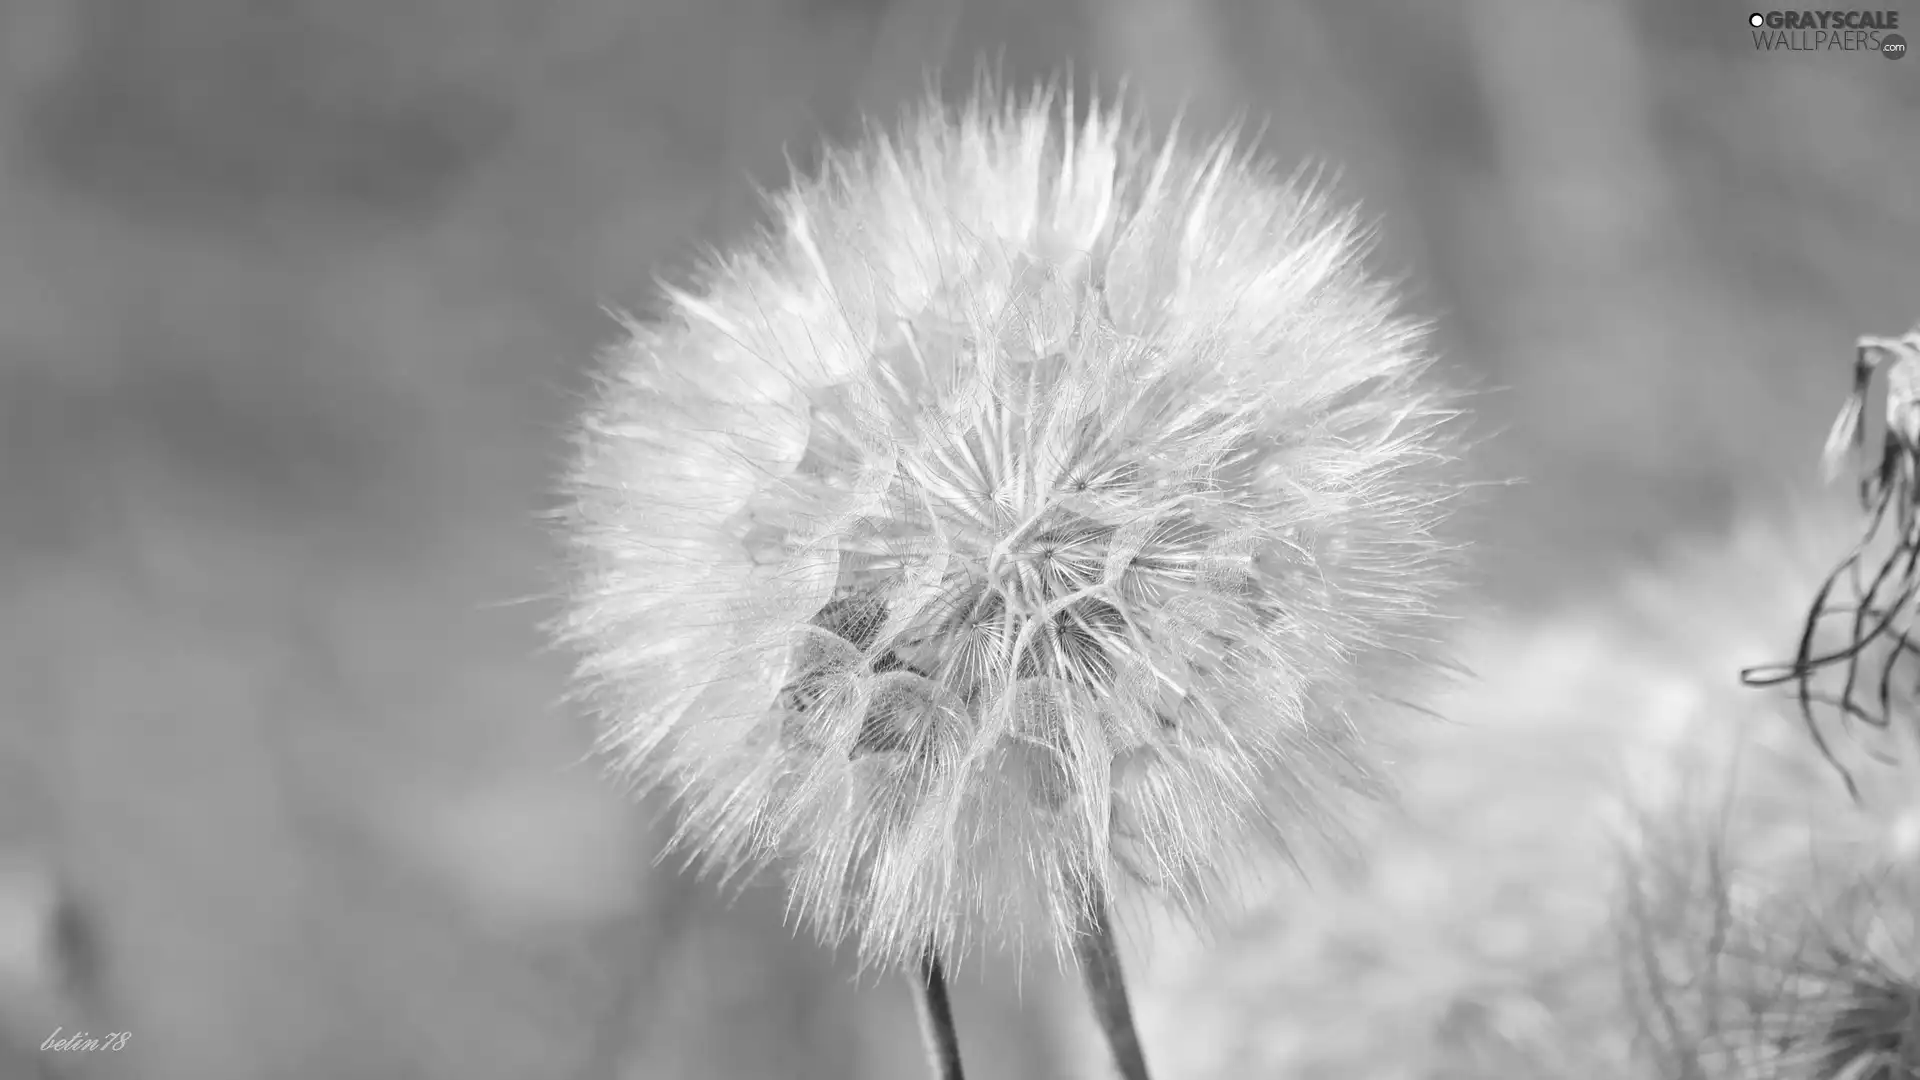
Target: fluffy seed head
(1024, 518)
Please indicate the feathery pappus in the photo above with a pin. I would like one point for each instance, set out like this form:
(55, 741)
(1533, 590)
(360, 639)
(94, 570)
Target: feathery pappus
(1035, 512)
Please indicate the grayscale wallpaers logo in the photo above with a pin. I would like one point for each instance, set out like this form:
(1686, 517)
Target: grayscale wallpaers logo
(1828, 31)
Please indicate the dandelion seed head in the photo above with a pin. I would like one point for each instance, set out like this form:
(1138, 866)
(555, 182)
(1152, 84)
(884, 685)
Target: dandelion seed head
(1032, 513)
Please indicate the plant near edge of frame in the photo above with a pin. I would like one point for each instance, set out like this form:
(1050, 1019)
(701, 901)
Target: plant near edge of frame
(1773, 973)
(1859, 626)
(1027, 521)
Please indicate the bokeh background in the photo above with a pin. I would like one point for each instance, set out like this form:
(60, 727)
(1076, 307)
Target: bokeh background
(294, 300)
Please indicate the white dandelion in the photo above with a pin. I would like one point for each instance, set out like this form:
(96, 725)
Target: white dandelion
(1029, 519)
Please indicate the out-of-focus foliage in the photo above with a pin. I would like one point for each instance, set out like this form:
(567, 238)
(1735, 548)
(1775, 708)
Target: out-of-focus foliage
(292, 308)
(1614, 861)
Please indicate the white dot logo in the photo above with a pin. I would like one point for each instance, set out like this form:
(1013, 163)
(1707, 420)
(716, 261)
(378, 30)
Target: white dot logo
(1757, 19)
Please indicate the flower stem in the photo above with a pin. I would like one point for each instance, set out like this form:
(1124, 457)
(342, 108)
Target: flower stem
(1099, 956)
(936, 1019)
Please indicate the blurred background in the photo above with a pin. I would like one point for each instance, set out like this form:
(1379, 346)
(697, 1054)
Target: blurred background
(294, 300)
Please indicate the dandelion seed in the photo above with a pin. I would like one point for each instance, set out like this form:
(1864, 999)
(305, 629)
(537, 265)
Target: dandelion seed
(1026, 522)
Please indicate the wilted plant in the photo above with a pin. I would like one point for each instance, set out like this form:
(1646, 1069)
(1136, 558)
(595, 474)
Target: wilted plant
(1858, 630)
(1765, 916)
(1023, 522)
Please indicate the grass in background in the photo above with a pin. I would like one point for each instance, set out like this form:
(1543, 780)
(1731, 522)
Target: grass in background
(1614, 861)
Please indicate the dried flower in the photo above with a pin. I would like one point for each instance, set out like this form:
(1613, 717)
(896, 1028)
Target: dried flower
(1755, 897)
(1030, 512)
(1856, 649)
